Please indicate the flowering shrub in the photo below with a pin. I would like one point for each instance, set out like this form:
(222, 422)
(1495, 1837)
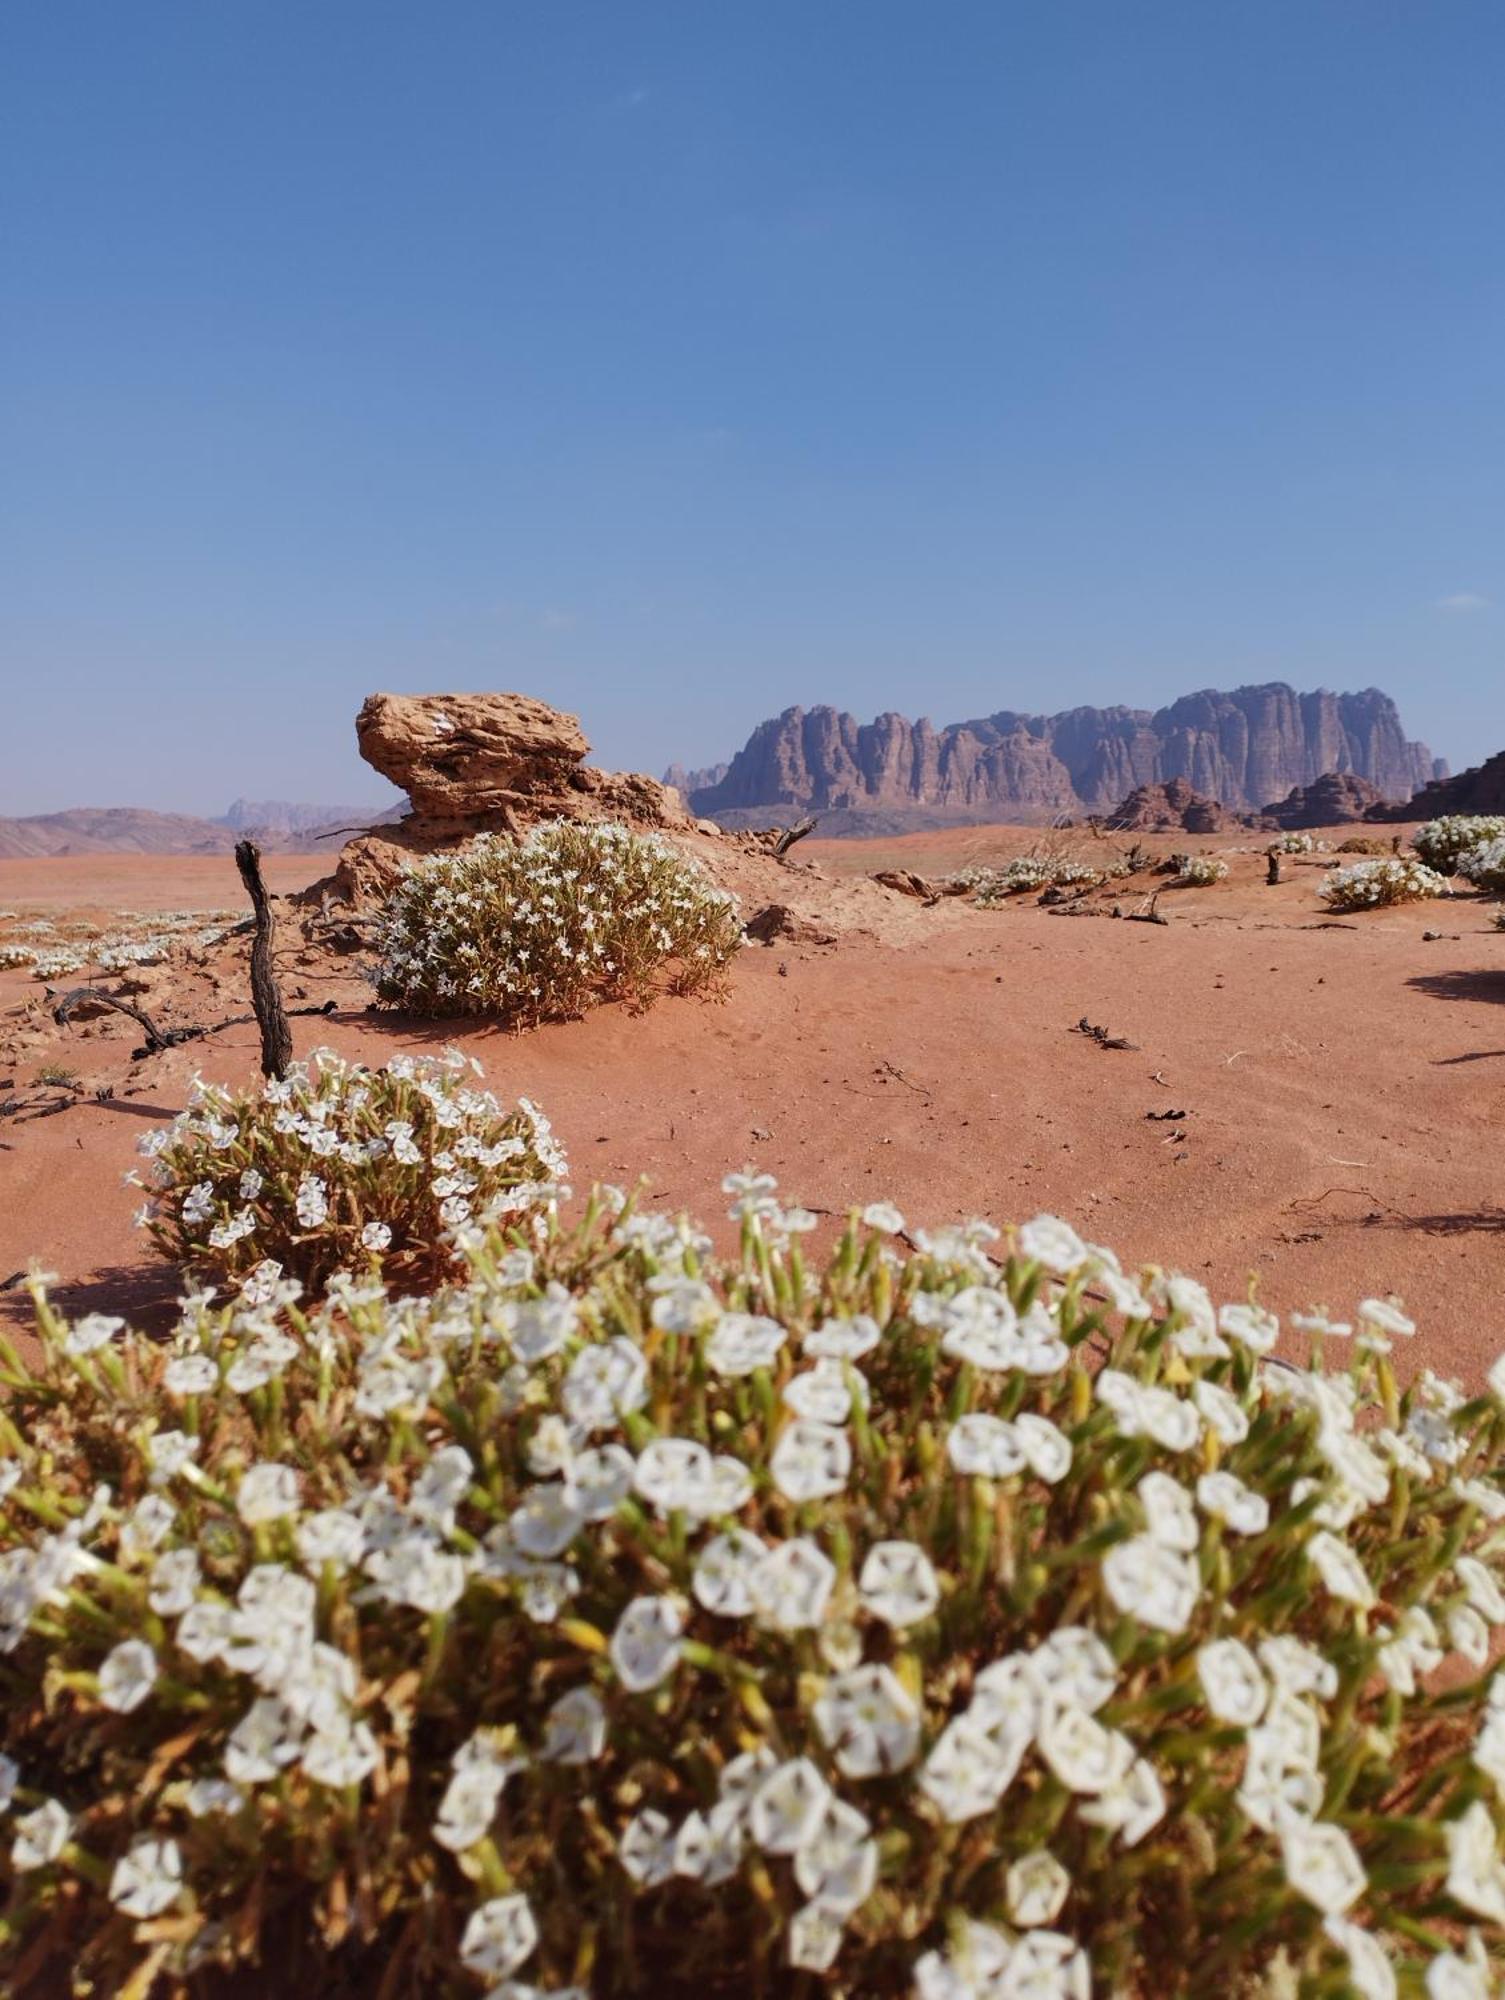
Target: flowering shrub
(623, 1620)
(1442, 842)
(1296, 843)
(1027, 872)
(1198, 871)
(1372, 885)
(543, 928)
(341, 1167)
(1484, 865)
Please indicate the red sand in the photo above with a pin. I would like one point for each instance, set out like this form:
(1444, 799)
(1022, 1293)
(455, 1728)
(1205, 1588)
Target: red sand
(1343, 1085)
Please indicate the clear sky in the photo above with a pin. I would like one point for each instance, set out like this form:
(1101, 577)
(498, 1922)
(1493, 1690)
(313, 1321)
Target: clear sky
(676, 361)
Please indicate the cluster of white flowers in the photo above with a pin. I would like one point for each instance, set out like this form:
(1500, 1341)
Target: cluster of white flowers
(544, 927)
(334, 1164)
(134, 939)
(1483, 864)
(855, 1611)
(1296, 843)
(1372, 885)
(1027, 872)
(1199, 871)
(1442, 843)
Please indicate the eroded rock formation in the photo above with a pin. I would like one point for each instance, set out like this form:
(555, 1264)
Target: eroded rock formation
(1335, 799)
(1481, 789)
(1239, 749)
(1174, 807)
(483, 763)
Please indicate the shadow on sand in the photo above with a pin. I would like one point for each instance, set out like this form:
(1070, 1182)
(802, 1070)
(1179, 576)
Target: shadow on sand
(1462, 985)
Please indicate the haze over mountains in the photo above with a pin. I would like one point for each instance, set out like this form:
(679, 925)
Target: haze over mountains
(1246, 749)
(276, 824)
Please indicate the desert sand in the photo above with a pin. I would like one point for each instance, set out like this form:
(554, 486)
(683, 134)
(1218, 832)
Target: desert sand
(1341, 1081)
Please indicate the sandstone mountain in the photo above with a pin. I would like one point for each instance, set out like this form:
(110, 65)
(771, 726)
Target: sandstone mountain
(1240, 748)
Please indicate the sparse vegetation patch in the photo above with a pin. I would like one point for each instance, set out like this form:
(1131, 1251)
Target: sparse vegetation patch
(1372, 885)
(546, 927)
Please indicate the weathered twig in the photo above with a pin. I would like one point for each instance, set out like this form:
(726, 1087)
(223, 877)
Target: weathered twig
(63, 1012)
(1149, 915)
(271, 1015)
(793, 833)
(1101, 1036)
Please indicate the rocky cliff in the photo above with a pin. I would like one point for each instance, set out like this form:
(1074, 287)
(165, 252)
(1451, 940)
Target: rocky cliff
(1240, 748)
(1480, 789)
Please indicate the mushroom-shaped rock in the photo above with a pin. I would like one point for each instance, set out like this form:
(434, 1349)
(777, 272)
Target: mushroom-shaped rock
(460, 755)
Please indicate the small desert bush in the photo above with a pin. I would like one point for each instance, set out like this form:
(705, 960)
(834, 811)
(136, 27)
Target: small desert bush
(625, 1620)
(1197, 871)
(1442, 843)
(1372, 885)
(1296, 843)
(1027, 872)
(13, 956)
(1484, 865)
(545, 927)
(1357, 844)
(335, 1167)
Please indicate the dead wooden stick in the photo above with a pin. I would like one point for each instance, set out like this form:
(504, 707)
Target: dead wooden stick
(791, 834)
(155, 1038)
(1272, 866)
(271, 1015)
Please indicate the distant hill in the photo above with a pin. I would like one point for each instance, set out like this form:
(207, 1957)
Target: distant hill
(133, 830)
(1240, 748)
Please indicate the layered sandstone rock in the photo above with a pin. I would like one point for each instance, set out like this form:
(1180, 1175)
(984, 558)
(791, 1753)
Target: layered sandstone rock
(1335, 799)
(1481, 789)
(1174, 807)
(1238, 749)
(482, 763)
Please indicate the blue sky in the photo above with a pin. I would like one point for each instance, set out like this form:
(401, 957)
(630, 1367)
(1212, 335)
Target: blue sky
(677, 362)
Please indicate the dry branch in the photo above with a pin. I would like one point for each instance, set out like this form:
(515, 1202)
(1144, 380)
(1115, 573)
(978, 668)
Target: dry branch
(271, 1015)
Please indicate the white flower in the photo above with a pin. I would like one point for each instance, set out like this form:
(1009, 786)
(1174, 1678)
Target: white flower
(792, 1585)
(884, 1217)
(1073, 1665)
(814, 1938)
(1484, 1592)
(170, 1453)
(1232, 1683)
(1152, 1583)
(844, 1339)
(1370, 1972)
(190, 1375)
(645, 1647)
(1476, 1874)
(966, 1773)
(1046, 1447)
(724, 1571)
(1297, 1668)
(267, 1492)
(898, 1584)
(1229, 1500)
(1170, 1516)
(1055, 1244)
(1224, 1415)
(1084, 1755)
(147, 1878)
(838, 1864)
(94, 1330)
(1340, 1569)
(312, 1202)
(1386, 1317)
(342, 1756)
(823, 1394)
(1322, 1864)
(1034, 1888)
(810, 1461)
(787, 1807)
(545, 1521)
(575, 1728)
(127, 1675)
(1251, 1326)
(985, 1447)
(376, 1236)
(743, 1342)
(331, 1536)
(41, 1836)
(1131, 1806)
(868, 1721)
(213, 1795)
(500, 1935)
(1450, 1977)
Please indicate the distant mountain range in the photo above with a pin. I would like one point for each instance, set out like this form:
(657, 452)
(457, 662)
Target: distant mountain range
(1245, 748)
(275, 824)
